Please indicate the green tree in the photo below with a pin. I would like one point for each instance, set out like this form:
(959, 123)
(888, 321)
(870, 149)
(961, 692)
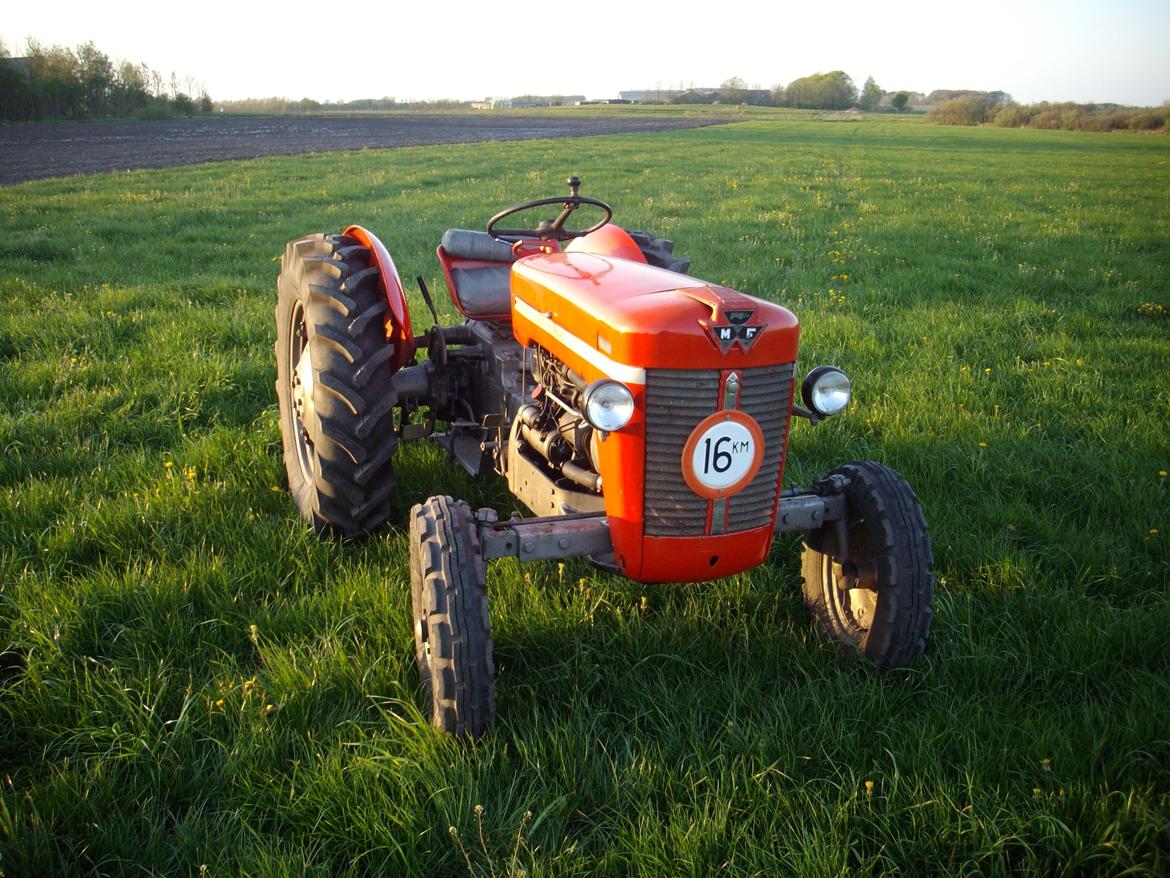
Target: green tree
(970, 109)
(733, 90)
(183, 104)
(55, 81)
(822, 91)
(871, 95)
(130, 89)
(96, 73)
(899, 99)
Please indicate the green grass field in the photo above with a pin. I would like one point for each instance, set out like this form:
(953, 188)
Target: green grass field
(195, 685)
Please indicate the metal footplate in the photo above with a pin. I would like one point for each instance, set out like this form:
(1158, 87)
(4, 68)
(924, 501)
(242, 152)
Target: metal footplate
(543, 539)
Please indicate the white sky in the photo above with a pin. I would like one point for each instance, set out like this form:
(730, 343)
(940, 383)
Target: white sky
(1034, 49)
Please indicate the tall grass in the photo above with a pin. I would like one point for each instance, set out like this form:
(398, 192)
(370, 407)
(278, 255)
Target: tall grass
(193, 684)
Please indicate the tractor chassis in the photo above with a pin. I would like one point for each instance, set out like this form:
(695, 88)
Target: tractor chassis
(554, 537)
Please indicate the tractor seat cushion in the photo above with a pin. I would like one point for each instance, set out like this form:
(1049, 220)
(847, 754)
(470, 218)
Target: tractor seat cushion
(466, 244)
(483, 291)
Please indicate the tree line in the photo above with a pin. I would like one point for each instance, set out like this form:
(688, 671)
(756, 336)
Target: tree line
(276, 106)
(834, 90)
(56, 82)
(995, 108)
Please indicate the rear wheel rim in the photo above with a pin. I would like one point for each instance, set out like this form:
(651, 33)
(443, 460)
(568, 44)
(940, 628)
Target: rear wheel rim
(300, 396)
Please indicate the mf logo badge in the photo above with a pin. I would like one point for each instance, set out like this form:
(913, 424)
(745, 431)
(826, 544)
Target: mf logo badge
(737, 330)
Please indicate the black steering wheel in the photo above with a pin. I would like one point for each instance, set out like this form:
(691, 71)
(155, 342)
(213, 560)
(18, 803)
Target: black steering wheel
(551, 229)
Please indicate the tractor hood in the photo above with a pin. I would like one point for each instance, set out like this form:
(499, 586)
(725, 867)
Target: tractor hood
(614, 312)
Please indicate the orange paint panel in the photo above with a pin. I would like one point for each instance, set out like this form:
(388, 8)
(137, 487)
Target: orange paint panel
(609, 240)
(648, 316)
(698, 559)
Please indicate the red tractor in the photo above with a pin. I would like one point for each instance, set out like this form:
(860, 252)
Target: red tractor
(641, 414)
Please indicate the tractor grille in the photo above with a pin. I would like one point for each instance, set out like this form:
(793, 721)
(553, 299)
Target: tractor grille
(765, 396)
(676, 400)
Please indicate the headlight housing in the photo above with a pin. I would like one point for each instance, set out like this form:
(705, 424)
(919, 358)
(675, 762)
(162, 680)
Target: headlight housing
(826, 390)
(608, 405)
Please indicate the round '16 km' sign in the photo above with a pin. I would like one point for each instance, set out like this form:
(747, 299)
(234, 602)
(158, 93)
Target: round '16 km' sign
(723, 454)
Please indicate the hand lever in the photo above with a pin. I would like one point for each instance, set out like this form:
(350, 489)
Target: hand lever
(574, 185)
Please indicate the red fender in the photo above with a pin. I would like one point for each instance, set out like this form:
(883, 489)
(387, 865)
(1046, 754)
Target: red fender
(398, 330)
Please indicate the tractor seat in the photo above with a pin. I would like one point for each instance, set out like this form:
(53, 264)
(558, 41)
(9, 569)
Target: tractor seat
(479, 272)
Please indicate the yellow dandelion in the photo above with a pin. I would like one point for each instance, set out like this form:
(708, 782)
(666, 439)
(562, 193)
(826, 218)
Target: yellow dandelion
(218, 703)
(1161, 473)
(170, 464)
(190, 473)
(267, 709)
(987, 371)
(869, 787)
(1153, 531)
(982, 444)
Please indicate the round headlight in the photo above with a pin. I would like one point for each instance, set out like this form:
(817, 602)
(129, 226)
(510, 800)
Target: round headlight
(608, 405)
(826, 390)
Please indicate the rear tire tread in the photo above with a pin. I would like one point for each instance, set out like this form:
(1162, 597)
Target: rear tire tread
(335, 283)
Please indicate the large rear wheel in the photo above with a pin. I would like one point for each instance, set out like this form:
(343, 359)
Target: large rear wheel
(333, 383)
(873, 594)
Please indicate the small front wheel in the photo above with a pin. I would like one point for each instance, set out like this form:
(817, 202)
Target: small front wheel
(873, 594)
(452, 635)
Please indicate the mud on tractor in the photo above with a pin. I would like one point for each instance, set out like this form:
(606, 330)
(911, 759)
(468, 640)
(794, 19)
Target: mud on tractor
(642, 415)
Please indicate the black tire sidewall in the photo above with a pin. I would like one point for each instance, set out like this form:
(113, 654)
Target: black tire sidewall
(880, 498)
(449, 590)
